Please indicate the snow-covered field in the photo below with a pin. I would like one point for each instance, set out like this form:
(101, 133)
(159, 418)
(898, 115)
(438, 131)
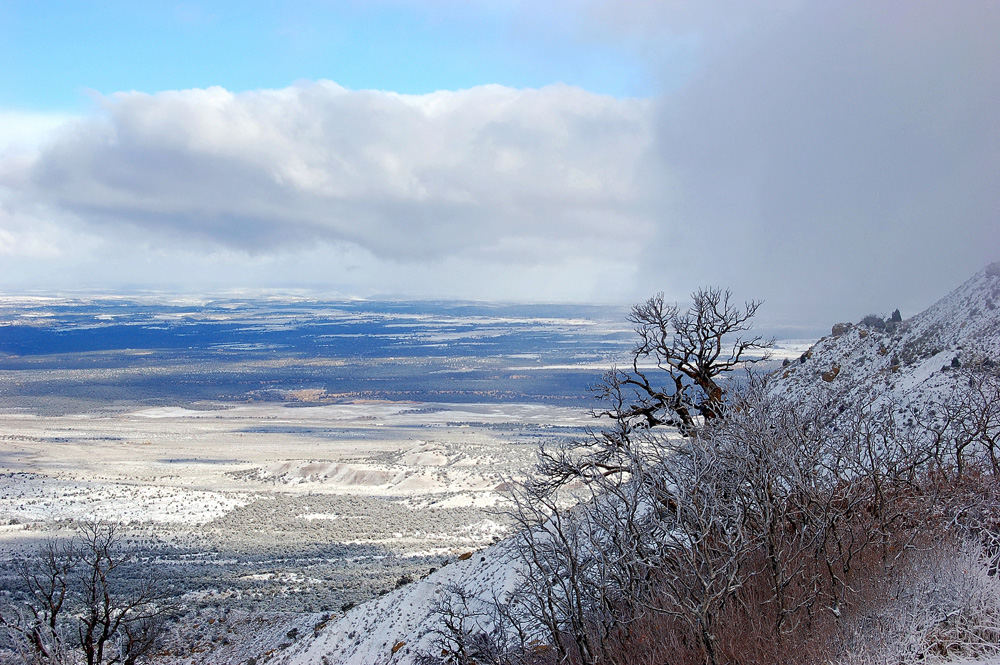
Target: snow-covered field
(405, 484)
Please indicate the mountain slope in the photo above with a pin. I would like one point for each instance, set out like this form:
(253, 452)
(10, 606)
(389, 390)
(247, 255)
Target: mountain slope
(369, 633)
(908, 361)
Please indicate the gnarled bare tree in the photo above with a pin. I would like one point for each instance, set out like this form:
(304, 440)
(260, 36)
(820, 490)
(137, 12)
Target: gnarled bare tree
(679, 359)
(676, 379)
(91, 598)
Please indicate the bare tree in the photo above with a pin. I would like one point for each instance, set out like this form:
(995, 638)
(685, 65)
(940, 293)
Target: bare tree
(120, 601)
(474, 630)
(676, 379)
(92, 595)
(771, 520)
(705, 544)
(975, 406)
(776, 523)
(678, 361)
(964, 425)
(38, 619)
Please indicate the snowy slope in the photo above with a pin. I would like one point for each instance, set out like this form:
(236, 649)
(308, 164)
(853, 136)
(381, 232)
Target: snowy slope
(910, 361)
(368, 633)
(907, 361)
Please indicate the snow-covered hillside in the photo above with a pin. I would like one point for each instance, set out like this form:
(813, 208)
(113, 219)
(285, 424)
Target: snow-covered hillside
(401, 625)
(909, 360)
(905, 360)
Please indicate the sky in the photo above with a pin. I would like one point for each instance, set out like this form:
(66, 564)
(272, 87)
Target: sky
(833, 159)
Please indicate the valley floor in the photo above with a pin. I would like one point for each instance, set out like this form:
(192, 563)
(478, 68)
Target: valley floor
(272, 507)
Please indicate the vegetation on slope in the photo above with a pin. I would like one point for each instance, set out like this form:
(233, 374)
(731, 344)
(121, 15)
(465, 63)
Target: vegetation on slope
(799, 526)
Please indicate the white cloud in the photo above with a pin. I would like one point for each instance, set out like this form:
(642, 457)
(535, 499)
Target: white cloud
(23, 131)
(513, 174)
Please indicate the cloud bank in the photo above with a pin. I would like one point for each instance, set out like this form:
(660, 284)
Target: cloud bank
(832, 159)
(492, 171)
(837, 157)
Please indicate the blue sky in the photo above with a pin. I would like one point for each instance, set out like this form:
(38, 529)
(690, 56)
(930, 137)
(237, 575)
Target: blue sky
(54, 52)
(831, 158)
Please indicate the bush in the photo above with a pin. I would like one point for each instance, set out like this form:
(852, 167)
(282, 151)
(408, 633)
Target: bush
(766, 533)
(873, 321)
(839, 329)
(769, 537)
(942, 604)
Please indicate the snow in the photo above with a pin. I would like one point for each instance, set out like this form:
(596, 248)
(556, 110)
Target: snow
(32, 498)
(965, 324)
(864, 357)
(367, 633)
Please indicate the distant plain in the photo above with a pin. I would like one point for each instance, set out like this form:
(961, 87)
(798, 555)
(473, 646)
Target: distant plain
(286, 453)
(290, 454)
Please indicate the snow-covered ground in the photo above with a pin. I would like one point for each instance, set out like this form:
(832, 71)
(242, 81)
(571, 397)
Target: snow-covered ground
(368, 633)
(215, 459)
(911, 362)
(401, 483)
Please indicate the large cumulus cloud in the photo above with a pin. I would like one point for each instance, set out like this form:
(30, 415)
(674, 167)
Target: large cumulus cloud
(512, 174)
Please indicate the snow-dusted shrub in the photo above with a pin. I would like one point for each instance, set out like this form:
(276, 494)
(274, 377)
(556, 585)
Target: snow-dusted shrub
(945, 604)
(477, 631)
(93, 597)
(873, 321)
(765, 531)
(964, 424)
(764, 538)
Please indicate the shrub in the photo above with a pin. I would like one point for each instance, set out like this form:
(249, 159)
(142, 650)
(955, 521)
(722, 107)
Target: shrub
(942, 604)
(769, 537)
(873, 321)
(766, 533)
(94, 596)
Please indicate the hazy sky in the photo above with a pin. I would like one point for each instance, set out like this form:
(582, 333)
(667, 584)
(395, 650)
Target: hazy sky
(831, 158)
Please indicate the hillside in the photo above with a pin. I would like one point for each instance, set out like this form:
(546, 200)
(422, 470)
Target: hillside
(368, 633)
(907, 361)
